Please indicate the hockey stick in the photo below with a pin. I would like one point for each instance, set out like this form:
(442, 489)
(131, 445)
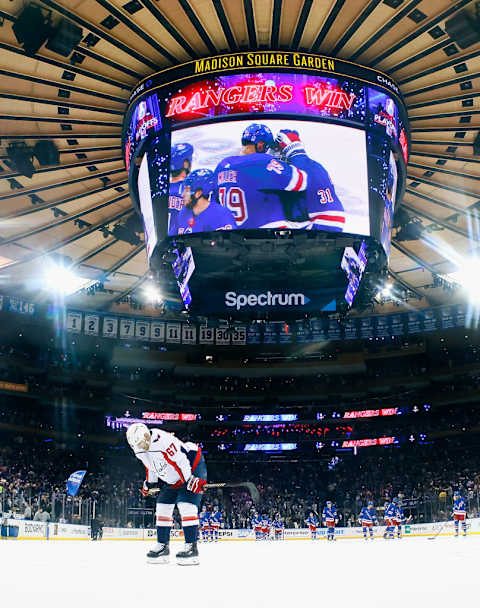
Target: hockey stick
(251, 487)
(435, 535)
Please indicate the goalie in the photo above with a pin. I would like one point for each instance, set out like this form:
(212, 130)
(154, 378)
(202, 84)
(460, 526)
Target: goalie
(178, 472)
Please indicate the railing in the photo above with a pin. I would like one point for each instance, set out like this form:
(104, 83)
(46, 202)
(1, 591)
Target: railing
(134, 512)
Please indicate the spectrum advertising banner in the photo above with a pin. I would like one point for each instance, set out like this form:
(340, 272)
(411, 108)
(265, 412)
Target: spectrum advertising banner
(303, 300)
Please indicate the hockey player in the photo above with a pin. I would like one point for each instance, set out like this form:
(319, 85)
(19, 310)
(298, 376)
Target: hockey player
(201, 213)
(278, 527)
(266, 524)
(257, 526)
(312, 523)
(250, 184)
(398, 517)
(459, 512)
(180, 472)
(329, 519)
(368, 519)
(215, 523)
(204, 521)
(180, 167)
(389, 513)
(321, 203)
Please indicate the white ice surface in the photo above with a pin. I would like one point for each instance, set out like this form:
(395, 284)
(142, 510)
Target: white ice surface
(412, 572)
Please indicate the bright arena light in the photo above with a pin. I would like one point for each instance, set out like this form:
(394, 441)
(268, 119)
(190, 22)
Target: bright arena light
(152, 294)
(61, 280)
(387, 290)
(467, 277)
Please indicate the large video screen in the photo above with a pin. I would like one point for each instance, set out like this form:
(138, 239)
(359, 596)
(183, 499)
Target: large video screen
(233, 175)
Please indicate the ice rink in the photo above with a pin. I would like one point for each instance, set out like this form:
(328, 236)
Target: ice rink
(409, 572)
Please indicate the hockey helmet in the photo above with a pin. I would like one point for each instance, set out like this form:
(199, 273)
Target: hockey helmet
(370, 503)
(200, 179)
(256, 133)
(138, 436)
(180, 153)
(329, 503)
(456, 493)
(395, 501)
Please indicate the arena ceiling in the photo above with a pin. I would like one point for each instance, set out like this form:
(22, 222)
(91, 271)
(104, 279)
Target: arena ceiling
(78, 102)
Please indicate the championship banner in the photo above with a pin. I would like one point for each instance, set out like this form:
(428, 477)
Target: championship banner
(350, 329)
(382, 327)
(74, 322)
(270, 333)
(301, 332)
(366, 328)
(254, 335)
(397, 324)
(13, 304)
(414, 322)
(447, 317)
(334, 330)
(286, 334)
(92, 325)
(430, 321)
(74, 482)
(319, 333)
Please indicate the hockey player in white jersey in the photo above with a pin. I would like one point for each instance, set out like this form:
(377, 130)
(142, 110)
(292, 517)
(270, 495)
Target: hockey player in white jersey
(179, 472)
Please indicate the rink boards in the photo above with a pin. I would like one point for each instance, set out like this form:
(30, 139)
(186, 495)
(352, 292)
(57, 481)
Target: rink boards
(15, 529)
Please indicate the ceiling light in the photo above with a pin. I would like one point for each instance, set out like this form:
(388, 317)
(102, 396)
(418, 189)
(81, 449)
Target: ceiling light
(60, 280)
(152, 294)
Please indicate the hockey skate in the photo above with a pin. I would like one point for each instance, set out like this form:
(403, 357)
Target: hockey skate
(160, 554)
(189, 555)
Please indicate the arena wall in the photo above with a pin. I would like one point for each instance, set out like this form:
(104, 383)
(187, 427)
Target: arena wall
(14, 529)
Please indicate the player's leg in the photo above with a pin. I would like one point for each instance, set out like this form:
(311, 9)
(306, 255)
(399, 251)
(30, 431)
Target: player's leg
(365, 530)
(456, 521)
(188, 504)
(159, 554)
(464, 525)
(399, 530)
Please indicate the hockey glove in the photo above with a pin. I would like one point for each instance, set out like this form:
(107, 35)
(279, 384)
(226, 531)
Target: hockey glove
(289, 144)
(145, 489)
(195, 484)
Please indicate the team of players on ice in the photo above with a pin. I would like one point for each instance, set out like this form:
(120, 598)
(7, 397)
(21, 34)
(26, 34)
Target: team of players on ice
(176, 474)
(273, 183)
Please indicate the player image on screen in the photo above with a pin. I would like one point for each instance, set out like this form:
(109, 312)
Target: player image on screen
(201, 212)
(250, 184)
(322, 206)
(180, 167)
(299, 182)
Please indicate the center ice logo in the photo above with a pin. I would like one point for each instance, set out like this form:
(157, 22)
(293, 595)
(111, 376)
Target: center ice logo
(232, 299)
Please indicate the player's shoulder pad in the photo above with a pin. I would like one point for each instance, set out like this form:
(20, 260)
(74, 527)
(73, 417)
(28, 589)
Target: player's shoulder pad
(161, 439)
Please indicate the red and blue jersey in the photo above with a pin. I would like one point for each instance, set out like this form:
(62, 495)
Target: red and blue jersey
(459, 506)
(390, 510)
(329, 513)
(256, 521)
(312, 522)
(367, 516)
(322, 205)
(214, 217)
(250, 186)
(399, 515)
(216, 518)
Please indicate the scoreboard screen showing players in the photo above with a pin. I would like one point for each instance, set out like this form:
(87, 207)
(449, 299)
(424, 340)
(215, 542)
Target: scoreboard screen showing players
(265, 141)
(314, 189)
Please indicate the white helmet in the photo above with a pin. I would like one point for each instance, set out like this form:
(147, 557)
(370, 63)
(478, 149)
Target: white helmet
(138, 436)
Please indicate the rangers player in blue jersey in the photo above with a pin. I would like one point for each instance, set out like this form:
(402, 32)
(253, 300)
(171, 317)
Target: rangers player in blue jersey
(322, 205)
(180, 167)
(368, 519)
(266, 524)
(329, 519)
(201, 213)
(389, 514)
(215, 522)
(204, 523)
(251, 184)
(459, 512)
(278, 527)
(398, 517)
(257, 526)
(312, 523)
